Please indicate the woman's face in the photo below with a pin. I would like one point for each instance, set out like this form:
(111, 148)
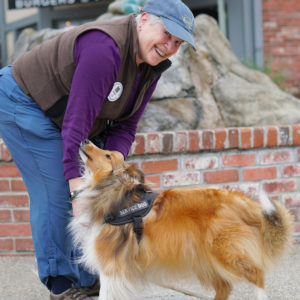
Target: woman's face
(155, 42)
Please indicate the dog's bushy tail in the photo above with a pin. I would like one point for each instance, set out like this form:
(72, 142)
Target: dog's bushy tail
(277, 226)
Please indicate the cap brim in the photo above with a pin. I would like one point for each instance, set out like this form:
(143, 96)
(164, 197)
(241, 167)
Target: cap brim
(178, 31)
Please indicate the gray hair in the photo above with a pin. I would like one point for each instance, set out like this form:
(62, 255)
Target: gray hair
(153, 19)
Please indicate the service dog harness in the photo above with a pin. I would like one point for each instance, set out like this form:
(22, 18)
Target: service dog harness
(133, 214)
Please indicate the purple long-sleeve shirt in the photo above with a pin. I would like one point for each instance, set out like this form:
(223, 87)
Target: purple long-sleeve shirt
(97, 59)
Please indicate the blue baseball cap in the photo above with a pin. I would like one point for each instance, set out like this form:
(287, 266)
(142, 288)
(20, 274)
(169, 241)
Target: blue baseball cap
(176, 17)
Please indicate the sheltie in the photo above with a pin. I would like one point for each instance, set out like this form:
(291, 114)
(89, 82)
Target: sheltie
(216, 235)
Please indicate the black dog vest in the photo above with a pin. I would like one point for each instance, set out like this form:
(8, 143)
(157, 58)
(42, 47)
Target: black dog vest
(133, 214)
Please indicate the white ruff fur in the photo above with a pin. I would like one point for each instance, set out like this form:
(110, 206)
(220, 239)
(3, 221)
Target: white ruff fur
(83, 231)
(261, 294)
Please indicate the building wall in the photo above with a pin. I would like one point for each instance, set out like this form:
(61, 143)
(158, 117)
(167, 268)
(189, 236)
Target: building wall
(281, 30)
(248, 159)
(17, 14)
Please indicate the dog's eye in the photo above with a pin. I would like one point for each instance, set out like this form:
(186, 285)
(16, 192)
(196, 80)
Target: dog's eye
(108, 156)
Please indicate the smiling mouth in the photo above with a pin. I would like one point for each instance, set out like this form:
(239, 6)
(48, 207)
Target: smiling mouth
(159, 52)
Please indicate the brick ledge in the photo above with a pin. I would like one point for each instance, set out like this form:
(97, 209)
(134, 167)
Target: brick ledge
(244, 138)
(185, 141)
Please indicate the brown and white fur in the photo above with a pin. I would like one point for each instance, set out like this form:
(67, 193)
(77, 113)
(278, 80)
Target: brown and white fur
(216, 235)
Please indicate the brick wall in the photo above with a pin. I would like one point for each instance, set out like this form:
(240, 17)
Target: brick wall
(248, 159)
(281, 31)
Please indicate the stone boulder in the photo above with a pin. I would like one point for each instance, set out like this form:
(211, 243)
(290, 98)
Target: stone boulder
(227, 93)
(29, 38)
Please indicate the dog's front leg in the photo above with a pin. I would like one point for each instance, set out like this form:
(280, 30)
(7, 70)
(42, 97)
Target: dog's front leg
(105, 293)
(116, 288)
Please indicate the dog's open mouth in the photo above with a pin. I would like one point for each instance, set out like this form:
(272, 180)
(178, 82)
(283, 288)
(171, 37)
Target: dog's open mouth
(83, 154)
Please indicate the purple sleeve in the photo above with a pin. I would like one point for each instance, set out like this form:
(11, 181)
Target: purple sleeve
(98, 61)
(122, 137)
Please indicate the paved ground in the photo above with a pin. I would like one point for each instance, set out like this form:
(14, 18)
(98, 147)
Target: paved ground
(19, 281)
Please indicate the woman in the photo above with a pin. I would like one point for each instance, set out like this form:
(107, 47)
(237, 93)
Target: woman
(92, 81)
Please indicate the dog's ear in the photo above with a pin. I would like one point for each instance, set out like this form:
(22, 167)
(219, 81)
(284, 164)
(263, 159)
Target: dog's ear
(117, 164)
(136, 173)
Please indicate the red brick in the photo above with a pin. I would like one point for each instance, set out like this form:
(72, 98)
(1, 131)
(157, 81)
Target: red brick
(272, 137)
(4, 153)
(276, 157)
(290, 200)
(167, 142)
(159, 166)
(207, 139)
(221, 176)
(259, 174)
(153, 181)
(5, 216)
(279, 186)
(181, 179)
(258, 137)
(15, 230)
(24, 245)
(284, 135)
(18, 185)
(233, 137)
(297, 227)
(220, 135)
(153, 143)
(200, 163)
(21, 215)
(245, 138)
(4, 185)
(181, 141)
(250, 189)
(9, 170)
(296, 134)
(294, 213)
(238, 160)
(139, 147)
(14, 200)
(6, 245)
(291, 171)
(194, 141)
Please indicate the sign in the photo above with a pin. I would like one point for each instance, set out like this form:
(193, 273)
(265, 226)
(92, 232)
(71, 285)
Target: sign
(17, 4)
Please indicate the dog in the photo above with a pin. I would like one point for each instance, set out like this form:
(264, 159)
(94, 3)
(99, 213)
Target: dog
(216, 235)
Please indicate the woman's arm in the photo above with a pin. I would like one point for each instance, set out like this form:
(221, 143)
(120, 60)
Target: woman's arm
(98, 61)
(120, 138)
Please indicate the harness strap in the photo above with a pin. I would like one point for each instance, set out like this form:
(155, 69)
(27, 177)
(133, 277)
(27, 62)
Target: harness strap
(138, 227)
(133, 214)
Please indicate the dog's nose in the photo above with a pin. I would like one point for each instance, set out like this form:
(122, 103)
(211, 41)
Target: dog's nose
(84, 142)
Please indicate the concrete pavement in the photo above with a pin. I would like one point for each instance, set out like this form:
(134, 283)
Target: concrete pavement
(19, 281)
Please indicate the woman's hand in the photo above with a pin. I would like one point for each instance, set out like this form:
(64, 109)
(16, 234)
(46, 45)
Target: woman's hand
(74, 185)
